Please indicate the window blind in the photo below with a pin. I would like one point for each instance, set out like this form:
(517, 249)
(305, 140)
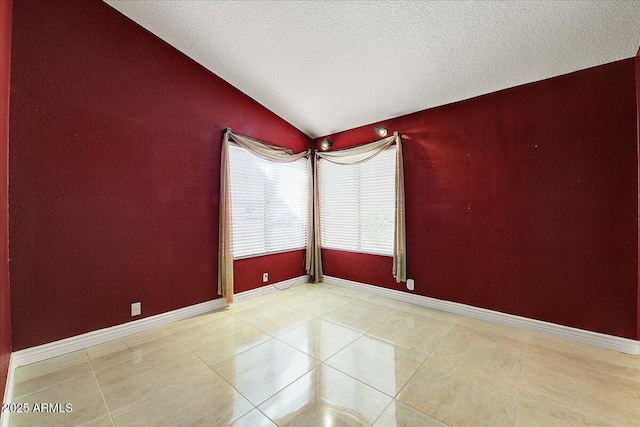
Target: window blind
(268, 204)
(357, 204)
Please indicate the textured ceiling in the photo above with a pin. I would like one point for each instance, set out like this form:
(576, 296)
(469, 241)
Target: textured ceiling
(330, 66)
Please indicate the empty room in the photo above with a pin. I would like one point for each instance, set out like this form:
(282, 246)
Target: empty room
(319, 213)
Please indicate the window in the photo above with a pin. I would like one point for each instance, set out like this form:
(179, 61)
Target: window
(357, 204)
(268, 204)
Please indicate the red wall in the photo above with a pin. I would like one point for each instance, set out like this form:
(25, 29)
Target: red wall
(638, 134)
(115, 151)
(5, 314)
(522, 201)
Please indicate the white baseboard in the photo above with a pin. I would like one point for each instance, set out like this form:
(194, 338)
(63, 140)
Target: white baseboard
(79, 342)
(596, 339)
(270, 289)
(8, 392)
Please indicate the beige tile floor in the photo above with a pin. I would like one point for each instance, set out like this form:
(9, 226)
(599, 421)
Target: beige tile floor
(317, 355)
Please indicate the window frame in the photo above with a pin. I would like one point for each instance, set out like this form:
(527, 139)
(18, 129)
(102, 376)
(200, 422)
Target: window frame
(392, 157)
(266, 219)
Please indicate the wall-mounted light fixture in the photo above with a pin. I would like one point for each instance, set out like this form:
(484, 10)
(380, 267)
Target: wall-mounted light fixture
(326, 144)
(380, 131)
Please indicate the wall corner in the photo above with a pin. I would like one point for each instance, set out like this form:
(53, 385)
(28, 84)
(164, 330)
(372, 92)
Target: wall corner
(6, 8)
(638, 181)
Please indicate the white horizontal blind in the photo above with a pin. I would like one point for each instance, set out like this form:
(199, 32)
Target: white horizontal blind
(357, 204)
(268, 204)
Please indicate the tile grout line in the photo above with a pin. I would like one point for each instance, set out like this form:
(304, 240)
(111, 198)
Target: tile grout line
(560, 403)
(128, 347)
(356, 379)
(308, 355)
(216, 372)
(383, 411)
(419, 367)
(130, 404)
(423, 362)
(366, 333)
(230, 357)
(524, 362)
(93, 371)
(64, 381)
(265, 415)
(225, 380)
(321, 362)
(359, 380)
(238, 391)
(188, 378)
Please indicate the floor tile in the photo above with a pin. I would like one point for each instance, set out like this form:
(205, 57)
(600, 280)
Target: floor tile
(206, 321)
(273, 319)
(254, 418)
(214, 345)
(398, 414)
(460, 397)
(146, 336)
(499, 357)
(381, 365)
(36, 376)
(205, 399)
(495, 331)
(254, 302)
(109, 353)
(353, 293)
(611, 397)
(135, 379)
(314, 287)
(316, 303)
(413, 308)
(359, 315)
(264, 370)
(413, 332)
(300, 290)
(325, 397)
(319, 338)
(449, 370)
(599, 359)
(539, 411)
(127, 348)
(83, 393)
(103, 421)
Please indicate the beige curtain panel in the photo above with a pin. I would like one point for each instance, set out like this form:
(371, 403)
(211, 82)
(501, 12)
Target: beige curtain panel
(313, 263)
(314, 256)
(268, 152)
(352, 156)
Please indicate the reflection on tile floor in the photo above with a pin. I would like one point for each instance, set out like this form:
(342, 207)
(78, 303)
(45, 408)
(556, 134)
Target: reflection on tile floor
(318, 355)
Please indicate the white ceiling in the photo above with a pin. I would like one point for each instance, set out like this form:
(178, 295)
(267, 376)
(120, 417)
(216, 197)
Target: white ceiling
(330, 66)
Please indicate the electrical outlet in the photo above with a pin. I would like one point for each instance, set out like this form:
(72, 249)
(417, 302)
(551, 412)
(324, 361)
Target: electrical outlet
(136, 309)
(410, 284)
(265, 277)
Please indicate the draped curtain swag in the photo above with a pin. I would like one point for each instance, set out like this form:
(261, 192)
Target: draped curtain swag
(313, 261)
(352, 156)
(268, 152)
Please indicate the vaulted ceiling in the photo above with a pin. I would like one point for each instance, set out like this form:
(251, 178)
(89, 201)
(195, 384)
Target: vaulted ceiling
(330, 66)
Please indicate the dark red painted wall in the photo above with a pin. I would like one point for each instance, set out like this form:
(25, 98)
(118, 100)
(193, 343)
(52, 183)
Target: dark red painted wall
(638, 134)
(5, 313)
(115, 152)
(522, 201)
(282, 266)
